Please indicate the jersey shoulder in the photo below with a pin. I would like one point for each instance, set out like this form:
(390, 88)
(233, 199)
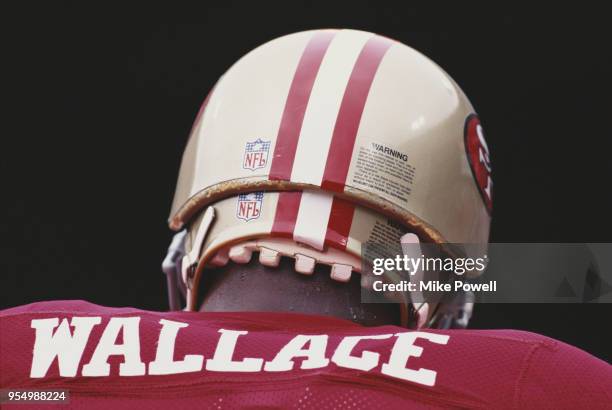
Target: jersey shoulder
(547, 373)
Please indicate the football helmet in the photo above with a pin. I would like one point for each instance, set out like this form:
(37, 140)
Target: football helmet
(318, 142)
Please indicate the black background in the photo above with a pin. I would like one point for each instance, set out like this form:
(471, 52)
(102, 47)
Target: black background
(100, 102)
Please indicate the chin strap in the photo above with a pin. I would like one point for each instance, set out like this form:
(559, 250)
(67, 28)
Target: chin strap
(178, 262)
(453, 313)
(192, 258)
(456, 313)
(171, 266)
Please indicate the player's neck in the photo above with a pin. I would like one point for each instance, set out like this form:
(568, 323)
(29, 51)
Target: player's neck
(254, 287)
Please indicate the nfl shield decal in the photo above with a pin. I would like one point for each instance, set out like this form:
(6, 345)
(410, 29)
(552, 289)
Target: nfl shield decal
(249, 205)
(256, 154)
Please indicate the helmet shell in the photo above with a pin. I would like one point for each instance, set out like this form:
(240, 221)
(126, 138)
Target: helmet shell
(363, 117)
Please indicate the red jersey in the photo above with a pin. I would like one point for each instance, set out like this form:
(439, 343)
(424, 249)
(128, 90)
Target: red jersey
(125, 358)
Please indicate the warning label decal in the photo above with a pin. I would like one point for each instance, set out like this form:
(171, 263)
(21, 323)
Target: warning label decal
(385, 170)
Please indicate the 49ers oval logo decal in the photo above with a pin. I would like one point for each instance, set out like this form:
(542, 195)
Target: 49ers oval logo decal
(477, 153)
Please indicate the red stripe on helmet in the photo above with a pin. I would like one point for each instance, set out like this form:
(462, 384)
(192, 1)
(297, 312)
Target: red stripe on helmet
(295, 106)
(198, 118)
(287, 209)
(340, 221)
(349, 115)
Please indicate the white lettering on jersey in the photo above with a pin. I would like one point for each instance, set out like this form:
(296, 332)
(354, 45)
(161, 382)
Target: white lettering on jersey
(403, 349)
(164, 362)
(314, 354)
(222, 360)
(69, 348)
(129, 349)
(367, 361)
(66, 347)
